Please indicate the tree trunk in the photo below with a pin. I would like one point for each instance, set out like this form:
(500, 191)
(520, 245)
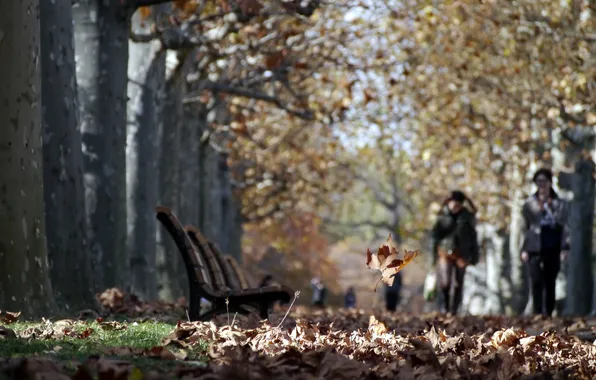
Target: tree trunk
(172, 281)
(581, 222)
(190, 133)
(146, 66)
(66, 227)
(236, 230)
(495, 250)
(212, 197)
(516, 287)
(24, 272)
(223, 196)
(101, 48)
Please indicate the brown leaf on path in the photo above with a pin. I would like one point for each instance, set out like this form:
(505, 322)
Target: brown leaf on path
(506, 338)
(436, 338)
(8, 317)
(423, 354)
(112, 325)
(388, 262)
(375, 326)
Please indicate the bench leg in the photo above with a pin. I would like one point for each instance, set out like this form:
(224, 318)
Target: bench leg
(264, 310)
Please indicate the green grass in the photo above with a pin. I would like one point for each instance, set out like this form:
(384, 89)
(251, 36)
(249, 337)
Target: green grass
(141, 336)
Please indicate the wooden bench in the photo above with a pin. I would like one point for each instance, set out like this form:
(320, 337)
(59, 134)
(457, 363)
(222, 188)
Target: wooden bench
(216, 278)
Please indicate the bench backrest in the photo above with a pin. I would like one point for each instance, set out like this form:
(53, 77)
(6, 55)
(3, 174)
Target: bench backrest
(195, 266)
(213, 266)
(238, 271)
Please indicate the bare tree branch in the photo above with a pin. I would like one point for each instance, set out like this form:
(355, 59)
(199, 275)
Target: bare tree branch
(378, 194)
(251, 94)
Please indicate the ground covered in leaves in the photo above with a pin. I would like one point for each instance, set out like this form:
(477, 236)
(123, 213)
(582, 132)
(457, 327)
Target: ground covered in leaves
(307, 344)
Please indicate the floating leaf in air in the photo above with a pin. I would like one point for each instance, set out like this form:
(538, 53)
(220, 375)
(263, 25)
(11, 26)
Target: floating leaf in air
(387, 261)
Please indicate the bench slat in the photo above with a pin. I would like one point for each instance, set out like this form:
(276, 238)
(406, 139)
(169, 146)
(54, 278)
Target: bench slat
(212, 265)
(238, 271)
(232, 278)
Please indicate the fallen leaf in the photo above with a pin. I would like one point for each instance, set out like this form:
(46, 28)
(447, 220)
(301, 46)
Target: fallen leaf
(376, 327)
(9, 317)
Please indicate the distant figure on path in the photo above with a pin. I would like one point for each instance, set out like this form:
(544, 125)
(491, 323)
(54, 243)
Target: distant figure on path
(266, 281)
(546, 241)
(319, 294)
(455, 246)
(350, 298)
(393, 293)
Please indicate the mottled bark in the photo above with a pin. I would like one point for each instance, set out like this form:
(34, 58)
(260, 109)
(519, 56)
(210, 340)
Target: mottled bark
(146, 72)
(516, 288)
(66, 226)
(494, 243)
(24, 272)
(236, 230)
(212, 197)
(171, 276)
(101, 48)
(581, 222)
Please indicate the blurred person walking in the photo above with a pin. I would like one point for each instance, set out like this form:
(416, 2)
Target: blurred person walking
(454, 247)
(319, 295)
(393, 293)
(350, 298)
(546, 240)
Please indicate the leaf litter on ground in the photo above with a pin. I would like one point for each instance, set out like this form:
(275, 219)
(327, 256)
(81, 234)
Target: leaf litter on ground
(309, 344)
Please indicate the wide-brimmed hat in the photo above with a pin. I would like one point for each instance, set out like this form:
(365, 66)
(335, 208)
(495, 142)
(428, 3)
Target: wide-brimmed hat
(457, 196)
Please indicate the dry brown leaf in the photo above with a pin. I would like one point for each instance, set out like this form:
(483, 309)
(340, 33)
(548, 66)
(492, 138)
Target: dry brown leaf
(506, 338)
(387, 261)
(8, 317)
(376, 327)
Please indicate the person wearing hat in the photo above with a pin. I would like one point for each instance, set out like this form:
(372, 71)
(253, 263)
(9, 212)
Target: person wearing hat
(319, 294)
(454, 247)
(546, 240)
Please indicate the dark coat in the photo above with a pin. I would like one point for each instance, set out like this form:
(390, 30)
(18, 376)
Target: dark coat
(456, 234)
(350, 300)
(396, 286)
(532, 214)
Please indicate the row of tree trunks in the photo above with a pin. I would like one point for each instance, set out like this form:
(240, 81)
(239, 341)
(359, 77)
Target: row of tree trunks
(79, 174)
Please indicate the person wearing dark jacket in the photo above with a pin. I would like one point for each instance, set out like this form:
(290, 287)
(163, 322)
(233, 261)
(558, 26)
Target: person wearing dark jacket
(454, 247)
(546, 241)
(392, 293)
(319, 294)
(350, 298)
